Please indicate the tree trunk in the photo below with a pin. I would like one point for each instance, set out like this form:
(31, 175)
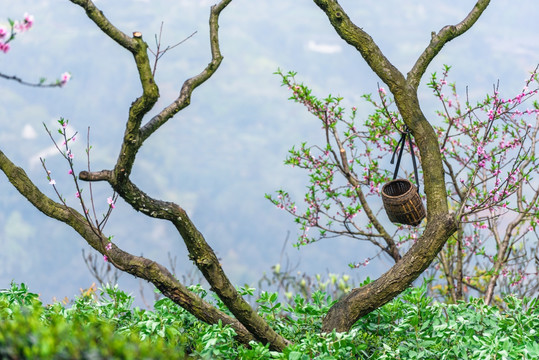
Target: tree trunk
(363, 300)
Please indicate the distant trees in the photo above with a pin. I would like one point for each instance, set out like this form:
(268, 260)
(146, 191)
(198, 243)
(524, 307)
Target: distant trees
(445, 216)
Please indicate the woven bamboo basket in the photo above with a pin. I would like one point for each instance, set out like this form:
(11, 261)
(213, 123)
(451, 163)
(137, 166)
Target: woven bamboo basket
(402, 202)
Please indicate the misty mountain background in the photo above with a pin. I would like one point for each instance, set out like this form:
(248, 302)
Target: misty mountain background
(218, 157)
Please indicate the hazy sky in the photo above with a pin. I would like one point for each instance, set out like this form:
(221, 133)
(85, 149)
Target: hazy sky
(222, 154)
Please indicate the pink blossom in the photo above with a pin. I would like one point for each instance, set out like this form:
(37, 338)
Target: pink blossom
(479, 225)
(382, 91)
(17, 27)
(52, 182)
(480, 150)
(25, 25)
(3, 33)
(28, 20)
(70, 172)
(77, 194)
(65, 77)
(374, 189)
(4, 47)
(110, 202)
(106, 258)
(108, 246)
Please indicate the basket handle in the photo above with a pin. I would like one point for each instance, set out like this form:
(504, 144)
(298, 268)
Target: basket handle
(401, 144)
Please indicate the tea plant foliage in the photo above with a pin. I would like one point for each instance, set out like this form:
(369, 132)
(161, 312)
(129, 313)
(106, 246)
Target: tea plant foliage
(102, 324)
(320, 327)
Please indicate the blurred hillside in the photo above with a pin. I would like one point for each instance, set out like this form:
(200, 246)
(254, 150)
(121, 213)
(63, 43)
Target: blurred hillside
(218, 157)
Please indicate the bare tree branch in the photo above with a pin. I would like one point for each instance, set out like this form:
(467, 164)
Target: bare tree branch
(140, 106)
(184, 98)
(40, 84)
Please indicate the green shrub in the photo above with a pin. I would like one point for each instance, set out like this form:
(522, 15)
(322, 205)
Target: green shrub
(30, 331)
(105, 326)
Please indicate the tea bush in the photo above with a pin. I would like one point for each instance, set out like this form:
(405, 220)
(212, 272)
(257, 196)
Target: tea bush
(104, 325)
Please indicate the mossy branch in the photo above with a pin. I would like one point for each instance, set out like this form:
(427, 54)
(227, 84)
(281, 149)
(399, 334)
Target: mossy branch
(405, 98)
(150, 92)
(199, 251)
(135, 265)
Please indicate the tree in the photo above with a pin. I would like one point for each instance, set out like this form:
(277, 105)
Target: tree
(248, 325)
(489, 158)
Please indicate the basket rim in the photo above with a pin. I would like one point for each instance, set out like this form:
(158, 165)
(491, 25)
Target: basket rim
(412, 187)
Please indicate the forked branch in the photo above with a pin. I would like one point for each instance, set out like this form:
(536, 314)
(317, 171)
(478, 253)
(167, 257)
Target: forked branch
(199, 250)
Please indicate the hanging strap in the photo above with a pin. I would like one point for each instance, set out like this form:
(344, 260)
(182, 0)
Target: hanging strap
(401, 144)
